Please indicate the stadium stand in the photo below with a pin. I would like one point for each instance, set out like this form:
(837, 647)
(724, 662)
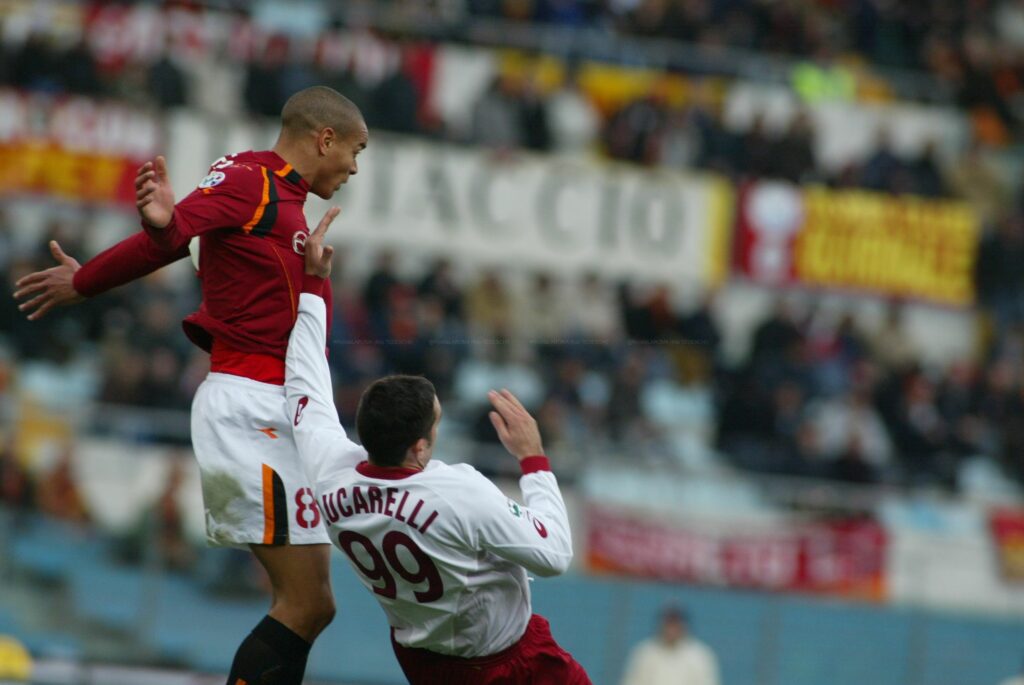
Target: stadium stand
(805, 394)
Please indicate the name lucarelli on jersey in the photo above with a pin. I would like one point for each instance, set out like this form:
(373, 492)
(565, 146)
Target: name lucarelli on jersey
(390, 501)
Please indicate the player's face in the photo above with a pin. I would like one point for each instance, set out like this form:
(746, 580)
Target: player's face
(340, 162)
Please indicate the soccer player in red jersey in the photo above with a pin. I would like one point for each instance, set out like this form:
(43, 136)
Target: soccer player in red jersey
(247, 215)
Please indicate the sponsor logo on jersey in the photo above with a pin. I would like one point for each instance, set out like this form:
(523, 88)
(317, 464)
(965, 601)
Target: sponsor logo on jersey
(515, 509)
(269, 432)
(214, 178)
(303, 401)
(299, 242)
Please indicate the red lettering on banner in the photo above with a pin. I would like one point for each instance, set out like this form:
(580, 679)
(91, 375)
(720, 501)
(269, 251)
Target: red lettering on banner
(845, 558)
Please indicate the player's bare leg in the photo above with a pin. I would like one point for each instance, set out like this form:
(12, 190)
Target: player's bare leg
(301, 580)
(275, 651)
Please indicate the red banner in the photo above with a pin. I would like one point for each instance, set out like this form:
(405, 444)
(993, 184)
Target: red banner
(1008, 535)
(843, 558)
(74, 148)
(857, 240)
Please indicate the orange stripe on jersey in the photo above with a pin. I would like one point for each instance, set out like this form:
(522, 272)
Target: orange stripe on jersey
(284, 171)
(291, 288)
(268, 505)
(262, 206)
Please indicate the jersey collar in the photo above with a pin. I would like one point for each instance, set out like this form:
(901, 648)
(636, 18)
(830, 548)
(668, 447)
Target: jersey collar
(385, 472)
(283, 169)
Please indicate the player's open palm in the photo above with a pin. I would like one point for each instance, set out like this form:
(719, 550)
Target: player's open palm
(53, 287)
(318, 255)
(517, 430)
(153, 195)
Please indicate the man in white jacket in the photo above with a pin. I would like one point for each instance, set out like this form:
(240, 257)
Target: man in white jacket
(673, 657)
(444, 551)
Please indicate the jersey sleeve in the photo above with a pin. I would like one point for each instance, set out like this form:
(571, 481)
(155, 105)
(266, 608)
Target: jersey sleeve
(231, 196)
(132, 258)
(324, 446)
(535, 536)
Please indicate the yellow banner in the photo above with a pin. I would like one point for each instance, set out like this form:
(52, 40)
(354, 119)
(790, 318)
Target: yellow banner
(905, 246)
(897, 246)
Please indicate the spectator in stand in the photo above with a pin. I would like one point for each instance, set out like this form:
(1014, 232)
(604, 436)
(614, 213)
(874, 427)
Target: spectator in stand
(680, 142)
(975, 180)
(542, 315)
(998, 275)
(673, 657)
(533, 113)
(760, 156)
(377, 294)
(623, 413)
(262, 92)
(632, 133)
(721, 150)
(776, 334)
(497, 121)
(16, 488)
(166, 82)
(78, 71)
(489, 308)
(699, 328)
(919, 431)
(890, 345)
(926, 173)
(58, 494)
(396, 100)
(439, 283)
(574, 121)
(35, 66)
(883, 168)
(853, 436)
(594, 319)
(794, 151)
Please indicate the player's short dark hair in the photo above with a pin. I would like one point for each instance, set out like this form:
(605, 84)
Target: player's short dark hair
(394, 412)
(319, 107)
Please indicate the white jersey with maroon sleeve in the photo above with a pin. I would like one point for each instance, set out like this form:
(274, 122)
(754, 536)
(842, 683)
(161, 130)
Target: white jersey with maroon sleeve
(444, 551)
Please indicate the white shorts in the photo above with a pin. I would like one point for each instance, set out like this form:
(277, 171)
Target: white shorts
(255, 489)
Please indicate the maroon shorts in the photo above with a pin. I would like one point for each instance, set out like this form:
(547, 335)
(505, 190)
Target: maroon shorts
(536, 659)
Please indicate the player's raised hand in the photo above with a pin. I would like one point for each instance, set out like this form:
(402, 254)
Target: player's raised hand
(318, 255)
(50, 288)
(517, 430)
(153, 195)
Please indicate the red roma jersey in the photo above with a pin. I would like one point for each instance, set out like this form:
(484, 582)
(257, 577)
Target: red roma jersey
(247, 214)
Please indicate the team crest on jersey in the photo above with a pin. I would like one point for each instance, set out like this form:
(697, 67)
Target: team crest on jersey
(214, 178)
(515, 509)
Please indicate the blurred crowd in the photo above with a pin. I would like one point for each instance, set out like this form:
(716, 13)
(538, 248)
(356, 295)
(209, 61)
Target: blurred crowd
(975, 48)
(608, 368)
(812, 396)
(517, 111)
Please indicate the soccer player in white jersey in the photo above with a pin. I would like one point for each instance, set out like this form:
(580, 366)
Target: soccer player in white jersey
(444, 551)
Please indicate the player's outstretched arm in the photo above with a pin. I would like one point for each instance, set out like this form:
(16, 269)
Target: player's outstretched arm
(70, 282)
(536, 536)
(321, 440)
